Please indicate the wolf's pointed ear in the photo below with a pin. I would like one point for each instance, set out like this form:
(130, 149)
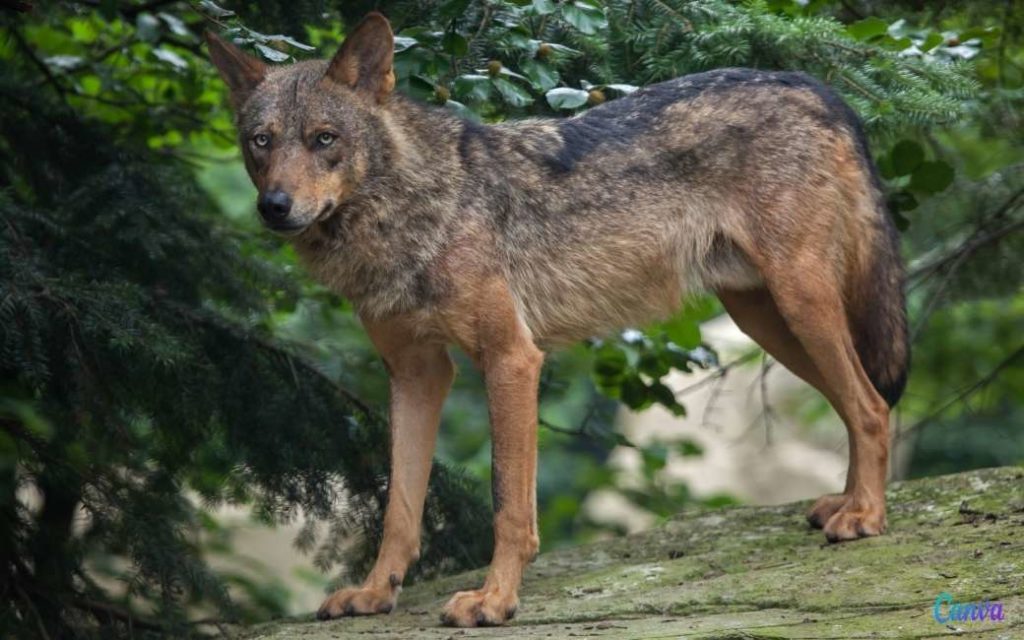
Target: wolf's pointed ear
(365, 59)
(240, 71)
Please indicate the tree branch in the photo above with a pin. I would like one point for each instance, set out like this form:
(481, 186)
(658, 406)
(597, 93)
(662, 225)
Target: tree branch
(980, 384)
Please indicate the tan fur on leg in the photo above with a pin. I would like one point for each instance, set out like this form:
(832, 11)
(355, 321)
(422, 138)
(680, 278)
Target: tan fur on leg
(813, 309)
(421, 374)
(756, 313)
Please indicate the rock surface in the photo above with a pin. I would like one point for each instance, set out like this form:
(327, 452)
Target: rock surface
(754, 573)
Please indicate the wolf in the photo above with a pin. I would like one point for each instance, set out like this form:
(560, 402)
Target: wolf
(509, 240)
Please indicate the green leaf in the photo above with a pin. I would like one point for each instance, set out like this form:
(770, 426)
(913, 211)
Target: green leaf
(664, 396)
(176, 24)
(933, 40)
(633, 392)
(868, 28)
(473, 87)
(544, 7)
(902, 201)
(682, 330)
(171, 58)
(623, 88)
(652, 364)
(461, 110)
(689, 449)
(454, 44)
(512, 93)
(655, 457)
(147, 27)
(215, 10)
(542, 75)
(610, 361)
(901, 221)
(907, 155)
(287, 40)
(932, 177)
(452, 9)
(566, 98)
(586, 18)
(564, 50)
(404, 42)
(884, 164)
(271, 53)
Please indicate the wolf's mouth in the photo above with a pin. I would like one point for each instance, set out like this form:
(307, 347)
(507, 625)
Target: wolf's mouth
(325, 212)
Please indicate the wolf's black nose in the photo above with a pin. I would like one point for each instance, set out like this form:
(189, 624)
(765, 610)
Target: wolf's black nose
(274, 205)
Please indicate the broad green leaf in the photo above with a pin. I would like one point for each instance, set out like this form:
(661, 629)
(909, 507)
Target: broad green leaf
(633, 392)
(610, 361)
(623, 88)
(171, 58)
(147, 27)
(271, 53)
(689, 448)
(561, 48)
(682, 330)
(566, 98)
(655, 457)
(461, 110)
(215, 10)
(586, 18)
(544, 7)
(287, 40)
(907, 155)
(473, 87)
(454, 44)
(175, 24)
(512, 93)
(452, 9)
(404, 42)
(868, 28)
(933, 40)
(652, 364)
(932, 177)
(542, 75)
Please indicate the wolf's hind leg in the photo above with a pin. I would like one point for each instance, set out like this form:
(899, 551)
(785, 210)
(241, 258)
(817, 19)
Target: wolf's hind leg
(756, 314)
(799, 319)
(809, 301)
(420, 376)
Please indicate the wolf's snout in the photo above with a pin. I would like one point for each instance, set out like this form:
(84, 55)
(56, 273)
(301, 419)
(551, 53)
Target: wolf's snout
(275, 206)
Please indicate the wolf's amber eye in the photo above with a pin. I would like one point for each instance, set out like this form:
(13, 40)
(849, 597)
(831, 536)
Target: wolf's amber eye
(324, 139)
(261, 139)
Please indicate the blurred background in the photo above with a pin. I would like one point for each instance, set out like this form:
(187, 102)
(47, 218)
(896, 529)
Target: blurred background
(192, 432)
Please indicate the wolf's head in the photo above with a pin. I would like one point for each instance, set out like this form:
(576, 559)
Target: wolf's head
(308, 131)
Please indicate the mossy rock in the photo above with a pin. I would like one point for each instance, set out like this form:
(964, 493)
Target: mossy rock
(756, 572)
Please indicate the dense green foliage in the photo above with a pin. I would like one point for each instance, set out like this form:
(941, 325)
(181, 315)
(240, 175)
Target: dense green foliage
(159, 355)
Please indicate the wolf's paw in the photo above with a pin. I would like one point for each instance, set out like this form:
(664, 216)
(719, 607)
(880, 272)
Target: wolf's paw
(824, 508)
(357, 602)
(480, 608)
(851, 522)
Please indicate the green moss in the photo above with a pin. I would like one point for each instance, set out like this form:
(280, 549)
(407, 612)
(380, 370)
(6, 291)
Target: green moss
(756, 573)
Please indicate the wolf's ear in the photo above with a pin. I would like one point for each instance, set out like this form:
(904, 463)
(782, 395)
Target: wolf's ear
(240, 71)
(365, 59)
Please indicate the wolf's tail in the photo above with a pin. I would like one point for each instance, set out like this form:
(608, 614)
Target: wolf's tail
(878, 313)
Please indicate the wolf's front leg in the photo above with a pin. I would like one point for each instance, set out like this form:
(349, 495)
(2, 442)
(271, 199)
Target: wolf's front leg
(511, 366)
(420, 378)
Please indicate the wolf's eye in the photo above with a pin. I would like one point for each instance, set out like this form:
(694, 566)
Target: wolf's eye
(325, 139)
(261, 139)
